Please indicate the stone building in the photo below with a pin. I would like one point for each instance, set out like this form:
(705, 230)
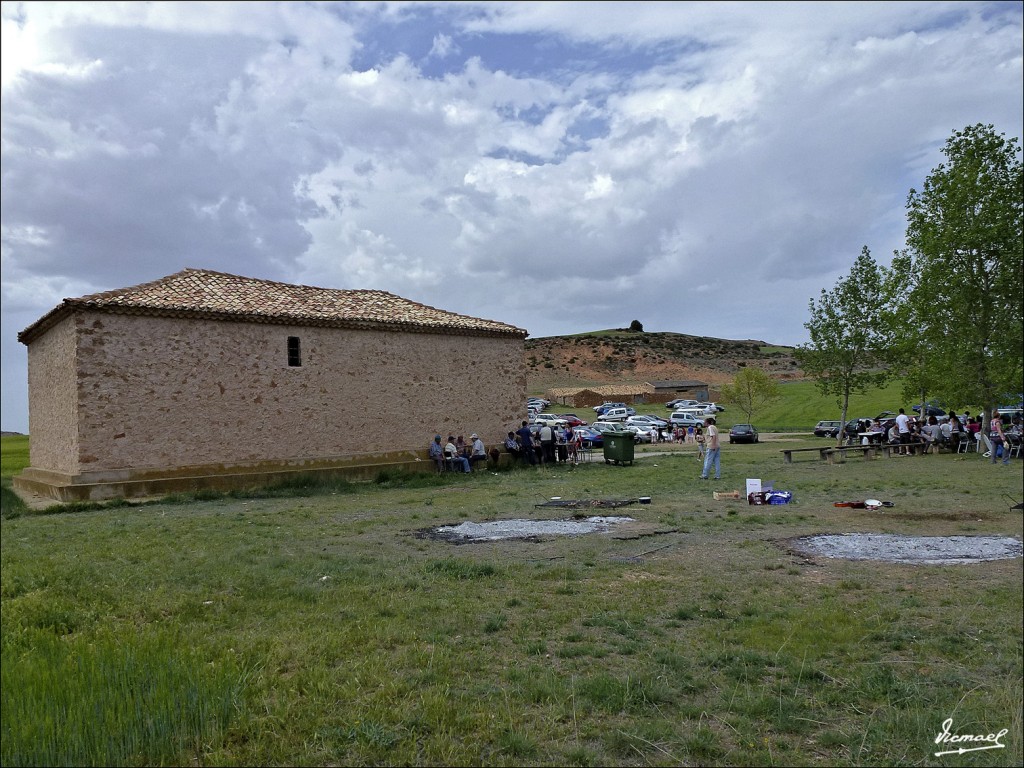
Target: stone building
(204, 379)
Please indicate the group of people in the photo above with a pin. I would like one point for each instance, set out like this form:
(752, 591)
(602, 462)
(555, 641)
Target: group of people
(906, 433)
(551, 445)
(546, 445)
(690, 434)
(456, 453)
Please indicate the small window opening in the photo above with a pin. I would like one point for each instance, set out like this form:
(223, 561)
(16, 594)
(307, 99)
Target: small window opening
(294, 352)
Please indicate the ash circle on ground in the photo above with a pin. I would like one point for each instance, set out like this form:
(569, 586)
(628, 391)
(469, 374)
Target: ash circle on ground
(525, 529)
(915, 550)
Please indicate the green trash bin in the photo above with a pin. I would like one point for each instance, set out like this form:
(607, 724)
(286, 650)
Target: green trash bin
(618, 447)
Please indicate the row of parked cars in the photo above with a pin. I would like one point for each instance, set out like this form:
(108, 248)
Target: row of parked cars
(619, 417)
(689, 413)
(611, 417)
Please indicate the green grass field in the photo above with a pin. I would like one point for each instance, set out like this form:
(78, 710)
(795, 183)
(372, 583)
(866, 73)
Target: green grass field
(320, 627)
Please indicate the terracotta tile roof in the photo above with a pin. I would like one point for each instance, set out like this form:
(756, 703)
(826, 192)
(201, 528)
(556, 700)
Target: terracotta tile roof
(218, 296)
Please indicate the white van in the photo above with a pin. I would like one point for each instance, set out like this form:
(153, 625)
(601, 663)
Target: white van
(617, 414)
(699, 410)
(680, 419)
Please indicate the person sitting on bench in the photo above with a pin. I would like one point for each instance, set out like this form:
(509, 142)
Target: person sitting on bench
(436, 453)
(451, 453)
(512, 446)
(477, 450)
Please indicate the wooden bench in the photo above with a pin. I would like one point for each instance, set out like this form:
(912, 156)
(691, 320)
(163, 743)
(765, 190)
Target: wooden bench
(788, 453)
(867, 451)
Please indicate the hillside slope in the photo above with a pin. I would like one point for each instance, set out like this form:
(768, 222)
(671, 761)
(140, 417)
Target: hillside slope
(605, 357)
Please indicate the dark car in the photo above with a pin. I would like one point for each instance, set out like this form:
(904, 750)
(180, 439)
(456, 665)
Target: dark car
(743, 433)
(826, 428)
(855, 426)
(931, 409)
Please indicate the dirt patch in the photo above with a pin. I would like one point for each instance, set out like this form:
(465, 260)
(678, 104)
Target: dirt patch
(915, 550)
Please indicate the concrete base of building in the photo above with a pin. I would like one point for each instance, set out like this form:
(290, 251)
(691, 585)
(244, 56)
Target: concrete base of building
(147, 483)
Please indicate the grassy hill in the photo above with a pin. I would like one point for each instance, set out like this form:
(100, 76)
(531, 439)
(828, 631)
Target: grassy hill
(621, 355)
(616, 355)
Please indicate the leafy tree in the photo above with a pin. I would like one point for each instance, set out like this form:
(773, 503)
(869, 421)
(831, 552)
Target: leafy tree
(963, 271)
(902, 317)
(751, 390)
(846, 353)
(636, 325)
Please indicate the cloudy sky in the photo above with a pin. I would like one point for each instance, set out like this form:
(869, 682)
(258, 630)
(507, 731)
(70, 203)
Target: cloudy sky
(703, 167)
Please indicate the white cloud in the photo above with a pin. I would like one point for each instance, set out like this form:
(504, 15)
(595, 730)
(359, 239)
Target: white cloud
(546, 164)
(443, 47)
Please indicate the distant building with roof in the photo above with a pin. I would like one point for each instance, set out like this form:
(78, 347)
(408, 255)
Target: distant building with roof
(629, 393)
(204, 379)
(698, 390)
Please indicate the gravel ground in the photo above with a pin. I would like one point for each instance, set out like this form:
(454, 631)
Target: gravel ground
(917, 550)
(524, 529)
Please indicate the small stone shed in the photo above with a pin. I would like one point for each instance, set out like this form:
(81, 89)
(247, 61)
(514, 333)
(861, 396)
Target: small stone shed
(632, 394)
(583, 397)
(208, 380)
(670, 390)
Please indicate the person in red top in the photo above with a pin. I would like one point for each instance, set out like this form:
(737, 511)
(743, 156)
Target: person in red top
(997, 438)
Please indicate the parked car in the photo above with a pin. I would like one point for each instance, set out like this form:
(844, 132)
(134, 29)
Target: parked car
(646, 422)
(552, 419)
(931, 409)
(573, 420)
(712, 407)
(698, 410)
(680, 419)
(675, 405)
(827, 428)
(617, 414)
(856, 426)
(619, 426)
(613, 426)
(743, 433)
(608, 404)
(643, 436)
(590, 438)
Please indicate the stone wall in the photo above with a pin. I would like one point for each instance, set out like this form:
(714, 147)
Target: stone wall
(53, 401)
(167, 395)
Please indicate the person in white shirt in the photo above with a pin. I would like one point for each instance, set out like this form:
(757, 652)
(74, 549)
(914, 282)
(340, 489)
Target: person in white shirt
(903, 425)
(452, 453)
(932, 434)
(712, 450)
(477, 452)
(547, 443)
